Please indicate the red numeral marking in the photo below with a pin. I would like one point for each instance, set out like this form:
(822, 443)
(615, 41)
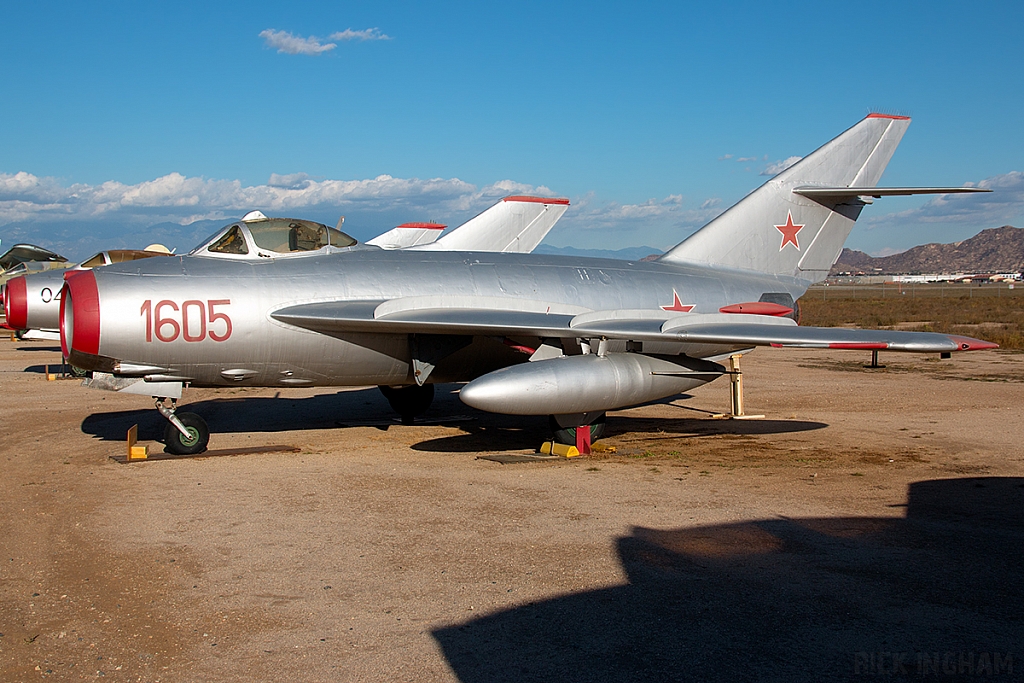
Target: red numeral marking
(147, 311)
(214, 317)
(159, 323)
(194, 328)
(185, 324)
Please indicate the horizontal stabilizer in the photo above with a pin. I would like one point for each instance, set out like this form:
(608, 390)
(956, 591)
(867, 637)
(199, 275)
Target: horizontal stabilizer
(836, 194)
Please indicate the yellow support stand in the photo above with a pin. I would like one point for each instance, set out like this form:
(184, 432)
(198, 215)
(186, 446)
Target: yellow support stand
(136, 452)
(49, 377)
(736, 393)
(559, 449)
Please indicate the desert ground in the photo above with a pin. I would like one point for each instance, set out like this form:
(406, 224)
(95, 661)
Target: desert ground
(870, 526)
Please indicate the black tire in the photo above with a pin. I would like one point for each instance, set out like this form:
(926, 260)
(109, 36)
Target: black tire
(409, 401)
(176, 443)
(567, 435)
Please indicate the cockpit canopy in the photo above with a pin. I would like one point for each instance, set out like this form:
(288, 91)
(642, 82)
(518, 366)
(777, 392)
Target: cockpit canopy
(257, 236)
(117, 256)
(25, 253)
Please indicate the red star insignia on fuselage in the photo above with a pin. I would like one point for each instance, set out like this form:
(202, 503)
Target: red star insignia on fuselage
(789, 231)
(678, 305)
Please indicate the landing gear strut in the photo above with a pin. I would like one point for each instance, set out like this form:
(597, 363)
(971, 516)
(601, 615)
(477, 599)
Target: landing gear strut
(186, 433)
(567, 435)
(409, 401)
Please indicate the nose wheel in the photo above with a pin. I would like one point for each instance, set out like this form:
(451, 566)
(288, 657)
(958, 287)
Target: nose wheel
(186, 433)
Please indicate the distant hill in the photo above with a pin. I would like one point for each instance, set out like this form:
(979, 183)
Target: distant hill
(997, 250)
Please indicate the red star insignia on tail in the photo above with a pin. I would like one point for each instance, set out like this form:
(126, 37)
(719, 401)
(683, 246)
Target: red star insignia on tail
(789, 231)
(678, 305)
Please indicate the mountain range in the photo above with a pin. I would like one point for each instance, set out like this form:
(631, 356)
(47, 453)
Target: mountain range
(996, 250)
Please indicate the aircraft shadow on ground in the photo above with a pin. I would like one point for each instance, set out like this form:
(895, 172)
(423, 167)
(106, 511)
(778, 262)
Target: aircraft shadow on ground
(934, 595)
(367, 407)
(62, 370)
(267, 414)
(48, 349)
(518, 432)
(40, 369)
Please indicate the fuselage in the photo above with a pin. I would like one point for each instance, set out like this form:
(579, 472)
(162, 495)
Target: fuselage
(207, 321)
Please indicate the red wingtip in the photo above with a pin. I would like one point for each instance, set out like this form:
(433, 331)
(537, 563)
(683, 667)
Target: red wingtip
(537, 200)
(876, 115)
(971, 344)
(424, 226)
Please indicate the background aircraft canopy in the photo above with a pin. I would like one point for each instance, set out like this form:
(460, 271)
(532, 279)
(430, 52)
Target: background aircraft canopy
(272, 237)
(118, 256)
(21, 253)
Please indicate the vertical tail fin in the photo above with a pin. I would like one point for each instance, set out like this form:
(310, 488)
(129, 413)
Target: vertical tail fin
(779, 231)
(515, 224)
(408, 235)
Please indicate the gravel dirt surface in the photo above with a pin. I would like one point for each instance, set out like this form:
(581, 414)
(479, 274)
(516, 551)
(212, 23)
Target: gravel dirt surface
(871, 525)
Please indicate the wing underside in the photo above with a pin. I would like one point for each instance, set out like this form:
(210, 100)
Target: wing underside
(482, 316)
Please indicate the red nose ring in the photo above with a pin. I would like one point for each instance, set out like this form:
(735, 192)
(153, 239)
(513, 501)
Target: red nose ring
(80, 314)
(16, 304)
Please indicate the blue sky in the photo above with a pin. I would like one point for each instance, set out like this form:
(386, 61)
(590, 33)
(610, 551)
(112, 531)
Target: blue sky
(651, 117)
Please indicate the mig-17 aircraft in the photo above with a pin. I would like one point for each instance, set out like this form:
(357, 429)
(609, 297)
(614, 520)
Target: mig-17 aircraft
(261, 304)
(23, 259)
(32, 301)
(514, 224)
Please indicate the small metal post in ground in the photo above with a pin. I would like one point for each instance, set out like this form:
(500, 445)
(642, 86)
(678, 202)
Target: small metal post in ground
(874, 360)
(736, 393)
(736, 379)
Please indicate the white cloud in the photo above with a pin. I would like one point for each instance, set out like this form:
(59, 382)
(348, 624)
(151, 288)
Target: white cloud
(177, 198)
(287, 43)
(79, 219)
(744, 160)
(779, 166)
(291, 44)
(290, 181)
(364, 34)
(590, 215)
(1005, 204)
(725, 157)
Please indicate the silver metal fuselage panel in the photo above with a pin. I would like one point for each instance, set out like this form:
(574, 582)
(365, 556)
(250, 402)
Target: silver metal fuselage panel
(263, 351)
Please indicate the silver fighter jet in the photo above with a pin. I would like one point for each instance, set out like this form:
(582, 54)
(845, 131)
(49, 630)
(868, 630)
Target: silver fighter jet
(267, 305)
(32, 301)
(514, 224)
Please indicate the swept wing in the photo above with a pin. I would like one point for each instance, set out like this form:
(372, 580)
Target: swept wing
(480, 316)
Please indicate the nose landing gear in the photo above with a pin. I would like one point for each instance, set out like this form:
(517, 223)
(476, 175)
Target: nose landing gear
(186, 433)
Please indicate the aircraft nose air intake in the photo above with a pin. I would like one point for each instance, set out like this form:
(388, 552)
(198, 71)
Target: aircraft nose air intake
(80, 314)
(16, 304)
